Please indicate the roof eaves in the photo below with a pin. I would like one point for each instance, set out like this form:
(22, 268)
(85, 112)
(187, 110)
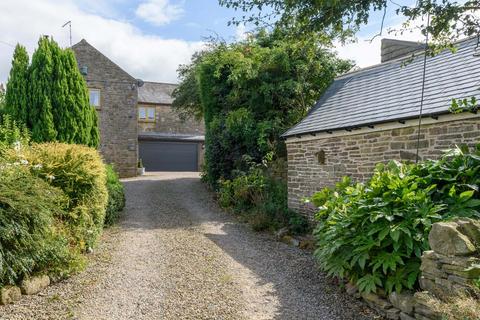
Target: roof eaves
(365, 124)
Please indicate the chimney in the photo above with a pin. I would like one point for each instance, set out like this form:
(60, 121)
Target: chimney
(393, 49)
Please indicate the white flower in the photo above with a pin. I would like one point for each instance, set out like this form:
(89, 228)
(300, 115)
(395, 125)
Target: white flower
(16, 163)
(37, 167)
(50, 177)
(24, 162)
(17, 145)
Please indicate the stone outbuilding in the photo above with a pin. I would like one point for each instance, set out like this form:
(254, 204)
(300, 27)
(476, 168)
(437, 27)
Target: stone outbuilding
(372, 115)
(136, 120)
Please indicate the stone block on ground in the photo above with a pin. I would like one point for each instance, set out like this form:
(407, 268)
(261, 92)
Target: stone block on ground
(351, 289)
(375, 300)
(423, 302)
(392, 313)
(470, 228)
(472, 272)
(307, 243)
(445, 238)
(9, 294)
(35, 284)
(281, 233)
(431, 268)
(404, 316)
(465, 262)
(403, 301)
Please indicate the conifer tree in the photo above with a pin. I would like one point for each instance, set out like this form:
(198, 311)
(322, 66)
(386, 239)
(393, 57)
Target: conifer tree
(80, 113)
(40, 116)
(16, 97)
(54, 102)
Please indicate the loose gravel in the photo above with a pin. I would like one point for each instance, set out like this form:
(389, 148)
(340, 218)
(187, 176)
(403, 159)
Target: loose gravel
(175, 255)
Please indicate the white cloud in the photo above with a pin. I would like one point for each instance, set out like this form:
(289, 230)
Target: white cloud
(241, 32)
(366, 52)
(145, 56)
(159, 12)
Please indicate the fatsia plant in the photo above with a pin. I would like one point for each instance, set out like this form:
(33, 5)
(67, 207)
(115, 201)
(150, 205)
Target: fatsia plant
(374, 233)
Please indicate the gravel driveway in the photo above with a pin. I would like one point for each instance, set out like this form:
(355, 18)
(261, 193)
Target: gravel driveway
(175, 255)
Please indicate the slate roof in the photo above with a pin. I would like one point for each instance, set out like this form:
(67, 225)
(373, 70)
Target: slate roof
(391, 91)
(156, 93)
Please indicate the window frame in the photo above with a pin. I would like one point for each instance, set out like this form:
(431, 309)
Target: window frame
(146, 112)
(90, 90)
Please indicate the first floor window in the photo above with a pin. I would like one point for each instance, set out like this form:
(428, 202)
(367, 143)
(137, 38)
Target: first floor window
(95, 98)
(146, 113)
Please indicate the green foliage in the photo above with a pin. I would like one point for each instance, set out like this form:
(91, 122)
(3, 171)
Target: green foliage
(32, 238)
(2, 100)
(464, 105)
(374, 233)
(16, 98)
(116, 196)
(52, 205)
(261, 199)
(50, 96)
(343, 18)
(40, 116)
(186, 97)
(252, 91)
(249, 93)
(80, 173)
(12, 134)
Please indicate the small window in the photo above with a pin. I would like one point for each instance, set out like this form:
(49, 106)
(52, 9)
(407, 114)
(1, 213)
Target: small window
(95, 98)
(146, 114)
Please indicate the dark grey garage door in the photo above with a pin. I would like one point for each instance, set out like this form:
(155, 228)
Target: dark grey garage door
(168, 156)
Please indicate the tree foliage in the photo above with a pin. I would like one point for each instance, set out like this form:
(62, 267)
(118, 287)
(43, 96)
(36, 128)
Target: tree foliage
(252, 91)
(186, 97)
(2, 100)
(50, 96)
(16, 97)
(449, 19)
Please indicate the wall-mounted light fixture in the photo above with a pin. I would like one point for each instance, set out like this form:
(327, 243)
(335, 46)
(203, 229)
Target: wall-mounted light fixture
(84, 70)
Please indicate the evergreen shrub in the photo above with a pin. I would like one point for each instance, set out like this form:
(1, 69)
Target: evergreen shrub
(32, 238)
(116, 196)
(78, 171)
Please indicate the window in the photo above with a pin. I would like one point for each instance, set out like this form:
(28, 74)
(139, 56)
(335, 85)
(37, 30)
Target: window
(146, 114)
(95, 98)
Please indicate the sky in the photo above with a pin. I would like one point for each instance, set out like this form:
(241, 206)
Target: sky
(149, 38)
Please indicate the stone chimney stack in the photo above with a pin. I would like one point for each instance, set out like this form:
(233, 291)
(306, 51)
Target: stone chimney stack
(393, 49)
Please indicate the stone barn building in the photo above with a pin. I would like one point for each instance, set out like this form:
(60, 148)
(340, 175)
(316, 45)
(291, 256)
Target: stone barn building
(372, 115)
(136, 120)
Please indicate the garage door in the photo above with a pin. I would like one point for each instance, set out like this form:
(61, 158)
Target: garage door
(168, 156)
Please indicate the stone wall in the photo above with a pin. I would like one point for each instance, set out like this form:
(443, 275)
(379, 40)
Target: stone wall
(356, 153)
(168, 121)
(446, 271)
(117, 112)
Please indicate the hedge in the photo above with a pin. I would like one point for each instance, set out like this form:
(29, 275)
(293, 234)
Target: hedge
(53, 201)
(116, 196)
(80, 173)
(31, 237)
